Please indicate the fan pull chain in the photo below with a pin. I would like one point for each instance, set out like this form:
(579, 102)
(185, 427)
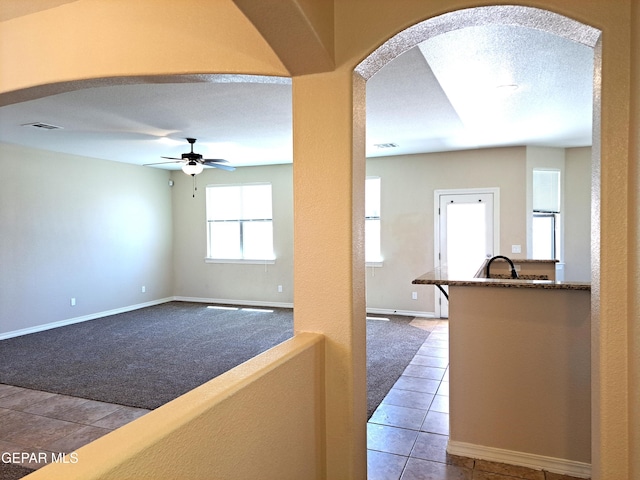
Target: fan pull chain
(195, 186)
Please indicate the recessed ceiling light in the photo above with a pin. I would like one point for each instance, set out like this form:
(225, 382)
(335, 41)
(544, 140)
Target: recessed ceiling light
(507, 88)
(385, 145)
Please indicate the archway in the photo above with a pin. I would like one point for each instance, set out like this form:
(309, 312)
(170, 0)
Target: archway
(522, 17)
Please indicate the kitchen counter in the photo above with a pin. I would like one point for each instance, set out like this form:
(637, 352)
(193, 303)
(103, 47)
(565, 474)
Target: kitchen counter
(440, 277)
(519, 363)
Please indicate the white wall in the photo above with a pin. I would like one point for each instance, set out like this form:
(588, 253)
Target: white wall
(77, 227)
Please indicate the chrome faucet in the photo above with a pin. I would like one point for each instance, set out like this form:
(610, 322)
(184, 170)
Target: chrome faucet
(514, 274)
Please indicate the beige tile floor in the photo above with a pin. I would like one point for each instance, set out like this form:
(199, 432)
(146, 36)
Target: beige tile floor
(407, 434)
(43, 423)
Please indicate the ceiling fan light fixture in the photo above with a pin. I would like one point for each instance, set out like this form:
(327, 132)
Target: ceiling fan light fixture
(192, 168)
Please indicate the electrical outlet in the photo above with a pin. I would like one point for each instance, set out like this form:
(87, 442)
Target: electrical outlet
(516, 249)
(144, 289)
(414, 295)
(73, 302)
(279, 288)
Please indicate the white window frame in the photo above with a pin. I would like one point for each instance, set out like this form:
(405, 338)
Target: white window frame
(551, 211)
(553, 241)
(271, 259)
(374, 216)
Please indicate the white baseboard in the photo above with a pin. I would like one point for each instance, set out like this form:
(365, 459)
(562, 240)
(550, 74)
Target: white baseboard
(260, 303)
(250, 303)
(226, 301)
(536, 462)
(84, 318)
(404, 313)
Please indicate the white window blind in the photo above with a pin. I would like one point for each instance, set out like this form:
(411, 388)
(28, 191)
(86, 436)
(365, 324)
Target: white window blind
(372, 220)
(546, 191)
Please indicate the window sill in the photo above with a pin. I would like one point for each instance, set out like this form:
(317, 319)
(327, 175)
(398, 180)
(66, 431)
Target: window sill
(271, 261)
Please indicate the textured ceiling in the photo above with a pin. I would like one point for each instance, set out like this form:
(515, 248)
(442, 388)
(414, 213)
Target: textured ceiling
(470, 88)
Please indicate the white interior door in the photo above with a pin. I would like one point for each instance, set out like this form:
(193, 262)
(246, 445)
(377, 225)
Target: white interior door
(465, 235)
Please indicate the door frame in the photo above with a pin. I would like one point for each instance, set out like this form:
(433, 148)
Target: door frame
(495, 191)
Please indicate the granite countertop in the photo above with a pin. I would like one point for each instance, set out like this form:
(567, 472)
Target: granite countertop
(483, 267)
(441, 277)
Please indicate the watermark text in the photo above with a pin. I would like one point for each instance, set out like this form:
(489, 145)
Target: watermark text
(38, 457)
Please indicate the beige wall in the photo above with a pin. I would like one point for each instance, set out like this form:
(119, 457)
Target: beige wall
(329, 295)
(408, 183)
(633, 263)
(407, 213)
(544, 157)
(574, 165)
(520, 374)
(193, 278)
(577, 218)
(82, 42)
(134, 40)
(75, 227)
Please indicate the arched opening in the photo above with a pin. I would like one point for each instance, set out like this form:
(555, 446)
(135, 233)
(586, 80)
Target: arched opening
(529, 18)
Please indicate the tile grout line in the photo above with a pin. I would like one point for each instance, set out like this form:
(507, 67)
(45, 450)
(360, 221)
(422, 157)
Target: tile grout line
(41, 415)
(78, 425)
(419, 430)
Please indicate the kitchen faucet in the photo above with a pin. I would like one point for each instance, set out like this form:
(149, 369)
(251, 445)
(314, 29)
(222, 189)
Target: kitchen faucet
(514, 274)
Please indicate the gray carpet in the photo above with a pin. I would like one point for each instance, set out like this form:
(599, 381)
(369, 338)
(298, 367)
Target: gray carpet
(147, 357)
(391, 345)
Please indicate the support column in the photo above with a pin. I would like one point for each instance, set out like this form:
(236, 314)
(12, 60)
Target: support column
(634, 249)
(329, 268)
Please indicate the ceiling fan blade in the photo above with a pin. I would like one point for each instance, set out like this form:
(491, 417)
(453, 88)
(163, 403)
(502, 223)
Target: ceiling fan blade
(215, 160)
(162, 163)
(191, 158)
(221, 166)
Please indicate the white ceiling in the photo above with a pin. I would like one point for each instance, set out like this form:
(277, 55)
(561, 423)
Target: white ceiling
(471, 88)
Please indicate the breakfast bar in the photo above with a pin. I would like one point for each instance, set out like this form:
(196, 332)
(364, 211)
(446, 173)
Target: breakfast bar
(520, 386)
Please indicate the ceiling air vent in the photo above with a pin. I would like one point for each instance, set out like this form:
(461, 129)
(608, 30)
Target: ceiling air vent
(42, 125)
(386, 145)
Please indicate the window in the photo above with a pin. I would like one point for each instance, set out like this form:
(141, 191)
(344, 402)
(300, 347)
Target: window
(544, 236)
(372, 221)
(545, 225)
(239, 222)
